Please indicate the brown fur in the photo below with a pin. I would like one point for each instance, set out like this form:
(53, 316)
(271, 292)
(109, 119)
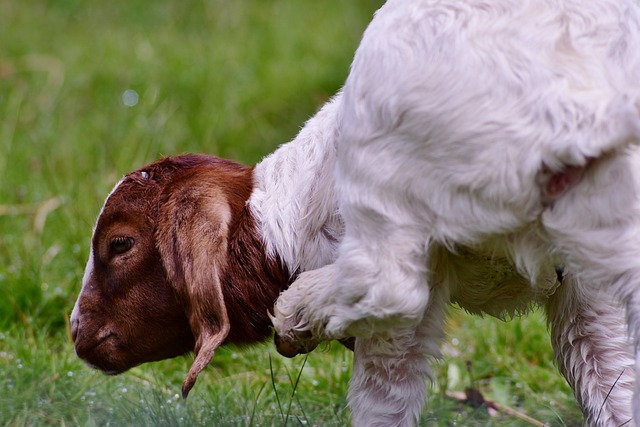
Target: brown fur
(196, 277)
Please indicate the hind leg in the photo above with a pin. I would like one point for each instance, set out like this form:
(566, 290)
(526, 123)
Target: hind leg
(593, 352)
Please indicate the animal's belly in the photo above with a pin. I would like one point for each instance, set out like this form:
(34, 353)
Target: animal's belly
(488, 282)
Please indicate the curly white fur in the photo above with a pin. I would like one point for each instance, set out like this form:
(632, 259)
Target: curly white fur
(476, 146)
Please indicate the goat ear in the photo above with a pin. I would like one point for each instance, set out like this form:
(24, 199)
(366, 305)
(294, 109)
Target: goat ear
(193, 222)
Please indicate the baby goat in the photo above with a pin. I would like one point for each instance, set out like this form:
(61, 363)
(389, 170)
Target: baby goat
(191, 252)
(477, 147)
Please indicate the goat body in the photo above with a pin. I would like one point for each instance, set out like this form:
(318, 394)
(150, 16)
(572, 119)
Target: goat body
(481, 146)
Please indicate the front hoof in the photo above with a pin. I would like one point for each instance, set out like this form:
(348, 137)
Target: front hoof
(290, 347)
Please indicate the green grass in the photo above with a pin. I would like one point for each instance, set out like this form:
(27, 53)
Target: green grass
(231, 78)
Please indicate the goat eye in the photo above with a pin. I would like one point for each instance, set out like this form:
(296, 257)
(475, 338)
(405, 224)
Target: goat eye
(120, 244)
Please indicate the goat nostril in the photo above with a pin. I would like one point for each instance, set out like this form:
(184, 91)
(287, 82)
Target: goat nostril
(105, 334)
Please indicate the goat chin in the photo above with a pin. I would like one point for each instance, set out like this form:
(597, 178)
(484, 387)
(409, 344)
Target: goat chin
(475, 150)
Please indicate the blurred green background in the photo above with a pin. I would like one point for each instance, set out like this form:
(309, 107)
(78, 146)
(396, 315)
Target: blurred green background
(91, 90)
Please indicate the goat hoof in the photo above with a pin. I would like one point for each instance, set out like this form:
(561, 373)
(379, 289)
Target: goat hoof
(288, 347)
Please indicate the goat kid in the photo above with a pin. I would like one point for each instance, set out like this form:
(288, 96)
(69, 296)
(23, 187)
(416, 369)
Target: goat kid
(476, 147)
(481, 145)
(191, 252)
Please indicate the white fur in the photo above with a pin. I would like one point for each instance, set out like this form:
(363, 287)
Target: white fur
(294, 198)
(440, 156)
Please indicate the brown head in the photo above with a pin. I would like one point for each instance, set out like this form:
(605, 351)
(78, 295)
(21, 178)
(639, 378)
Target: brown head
(176, 266)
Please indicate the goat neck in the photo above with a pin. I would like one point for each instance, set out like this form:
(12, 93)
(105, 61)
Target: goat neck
(294, 200)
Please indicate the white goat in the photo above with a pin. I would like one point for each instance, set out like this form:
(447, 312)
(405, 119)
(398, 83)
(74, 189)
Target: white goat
(480, 145)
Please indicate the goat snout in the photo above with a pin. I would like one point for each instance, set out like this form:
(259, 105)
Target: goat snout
(98, 349)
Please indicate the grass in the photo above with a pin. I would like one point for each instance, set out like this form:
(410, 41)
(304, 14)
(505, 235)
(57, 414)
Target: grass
(90, 90)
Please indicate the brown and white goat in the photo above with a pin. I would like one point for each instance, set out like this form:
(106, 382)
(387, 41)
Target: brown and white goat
(476, 147)
(191, 252)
